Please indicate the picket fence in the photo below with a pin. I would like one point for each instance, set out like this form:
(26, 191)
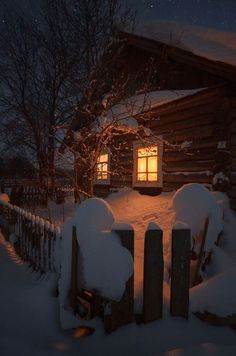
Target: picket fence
(36, 241)
(32, 194)
(117, 314)
(34, 238)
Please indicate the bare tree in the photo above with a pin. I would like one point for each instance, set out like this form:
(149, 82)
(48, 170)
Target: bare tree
(45, 67)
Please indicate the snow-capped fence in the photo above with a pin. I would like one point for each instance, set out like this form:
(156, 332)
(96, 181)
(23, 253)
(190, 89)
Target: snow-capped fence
(34, 238)
(32, 194)
(116, 314)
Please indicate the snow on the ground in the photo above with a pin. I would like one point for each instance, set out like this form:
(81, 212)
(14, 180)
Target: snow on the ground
(139, 210)
(29, 323)
(203, 349)
(129, 206)
(216, 295)
(204, 42)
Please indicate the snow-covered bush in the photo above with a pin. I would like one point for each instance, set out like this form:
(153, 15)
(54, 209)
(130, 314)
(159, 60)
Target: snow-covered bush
(106, 264)
(193, 204)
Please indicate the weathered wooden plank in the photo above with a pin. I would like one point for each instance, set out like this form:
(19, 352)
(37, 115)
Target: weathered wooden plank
(197, 166)
(232, 192)
(201, 253)
(181, 121)
(233, 164)
(153, 276)
(74, 269)
(233, 139)
(180, 272)
(194, 144)
(233, 203)
(233, 102)
(170, 187)
(182, 135)
(187, 178)
(189, 155)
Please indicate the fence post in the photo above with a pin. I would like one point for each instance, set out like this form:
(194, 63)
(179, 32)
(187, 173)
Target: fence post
(122, 312)
(74, 269)
(153, 274)
(180, 270)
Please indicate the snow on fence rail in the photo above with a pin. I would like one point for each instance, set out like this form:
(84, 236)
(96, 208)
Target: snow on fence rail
(116, 314)
(34, 238)
(31, 193)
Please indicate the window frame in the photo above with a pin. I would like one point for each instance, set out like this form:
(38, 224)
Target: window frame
(108, 180)
(138, 145)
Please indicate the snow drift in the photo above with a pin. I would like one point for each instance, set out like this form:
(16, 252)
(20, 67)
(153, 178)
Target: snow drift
(217, 295)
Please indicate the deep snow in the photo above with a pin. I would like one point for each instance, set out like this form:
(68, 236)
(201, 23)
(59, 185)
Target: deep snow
(29, 323)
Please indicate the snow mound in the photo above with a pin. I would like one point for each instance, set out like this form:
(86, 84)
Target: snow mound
(106, 264)
(205, 42)
(193, 203)
(4, 198)
(217, 295)
(94, 213)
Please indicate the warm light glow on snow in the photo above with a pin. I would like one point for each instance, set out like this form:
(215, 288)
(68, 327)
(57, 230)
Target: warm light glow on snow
(102, 167)
(147, 164)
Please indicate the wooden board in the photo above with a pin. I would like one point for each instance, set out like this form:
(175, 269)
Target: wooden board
(153, 276)
(180, 273)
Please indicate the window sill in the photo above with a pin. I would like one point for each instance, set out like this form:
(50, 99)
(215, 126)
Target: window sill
(147, 184)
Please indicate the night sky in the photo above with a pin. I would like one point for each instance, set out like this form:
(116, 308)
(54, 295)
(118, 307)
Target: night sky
(220, 14)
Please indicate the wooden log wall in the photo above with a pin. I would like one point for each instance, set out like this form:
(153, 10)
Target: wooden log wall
(191, 129)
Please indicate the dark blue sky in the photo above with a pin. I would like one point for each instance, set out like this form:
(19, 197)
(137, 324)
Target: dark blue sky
(220, 14)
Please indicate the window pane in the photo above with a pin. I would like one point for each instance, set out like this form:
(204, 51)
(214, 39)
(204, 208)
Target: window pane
(152, 151)
(142, 165)
(102, 171)
(148, 151)
(103, 158)
(104, 167)
(152, 164)
(152, 177)
(142, 152)
(142, 176)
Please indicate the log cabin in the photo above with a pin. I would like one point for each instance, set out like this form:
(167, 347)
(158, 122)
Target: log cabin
(191, 112)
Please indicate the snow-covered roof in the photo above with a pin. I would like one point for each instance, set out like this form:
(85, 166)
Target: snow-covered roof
(205, 42)
(140, 103)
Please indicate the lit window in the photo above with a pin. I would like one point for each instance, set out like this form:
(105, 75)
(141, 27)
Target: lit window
(147, 164)
(102, 167)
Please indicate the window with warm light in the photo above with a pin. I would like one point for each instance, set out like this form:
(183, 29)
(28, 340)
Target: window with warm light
(102, 175)
(147, 165)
